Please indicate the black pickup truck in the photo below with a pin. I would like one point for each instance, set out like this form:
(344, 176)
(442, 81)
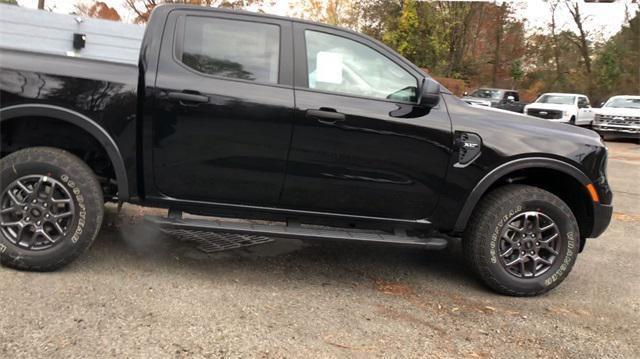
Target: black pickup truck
(499, 98)
(317, 131)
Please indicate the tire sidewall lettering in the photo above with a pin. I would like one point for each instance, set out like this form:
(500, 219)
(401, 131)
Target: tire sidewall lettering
(495, 236)
(82, 208)
(566, 261)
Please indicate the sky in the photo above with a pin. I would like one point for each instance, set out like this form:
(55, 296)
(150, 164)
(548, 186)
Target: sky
(604, 18)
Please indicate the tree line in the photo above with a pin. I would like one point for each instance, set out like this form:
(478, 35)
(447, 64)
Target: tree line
(468, 44)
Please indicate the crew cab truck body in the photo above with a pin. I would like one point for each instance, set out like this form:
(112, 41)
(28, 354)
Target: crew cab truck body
(619, 117)
(569, 108)
(233, 114)
(499, 98)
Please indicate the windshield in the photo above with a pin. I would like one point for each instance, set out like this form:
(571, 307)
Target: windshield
(557, 99)
(622, 102)
(485, 93)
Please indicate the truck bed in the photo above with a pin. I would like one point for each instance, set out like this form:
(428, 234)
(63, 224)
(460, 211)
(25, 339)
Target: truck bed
(50, 33)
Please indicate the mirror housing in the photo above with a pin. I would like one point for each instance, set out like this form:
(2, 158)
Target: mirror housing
(465, 93)
(511, 98)
(430, 95)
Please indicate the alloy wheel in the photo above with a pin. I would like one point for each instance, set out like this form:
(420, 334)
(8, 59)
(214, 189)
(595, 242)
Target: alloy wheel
(529, 244)
(36, 212)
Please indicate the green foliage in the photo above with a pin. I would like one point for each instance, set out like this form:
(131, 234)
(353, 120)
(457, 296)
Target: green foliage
(10, 2)
(404, 37)
(516, 72)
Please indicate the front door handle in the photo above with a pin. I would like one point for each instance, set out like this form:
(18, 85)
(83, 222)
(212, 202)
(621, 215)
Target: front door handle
(327, 117)
(189, 98)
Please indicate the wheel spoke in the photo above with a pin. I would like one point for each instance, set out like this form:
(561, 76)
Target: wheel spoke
(63, 200)
(23, 187)
(13, 198)
(511, 226)
(507, 238)
(8, 210)
(36, 187)
(543, 260)
(535, 223)
(534, 265)
(508, 252)
(46, 235)
(547, 227)
(551, 250)
(62, 215)
(58, 227)
(11, 224)
(548, 240)
(513, 262)
(32, 240)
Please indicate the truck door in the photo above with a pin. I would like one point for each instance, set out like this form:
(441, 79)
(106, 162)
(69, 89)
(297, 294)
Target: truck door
(223, 110)
(585, 112)
(360, 145)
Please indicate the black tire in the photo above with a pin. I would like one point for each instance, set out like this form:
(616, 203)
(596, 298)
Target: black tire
(484, 237)
(74, 178)
(573, 120)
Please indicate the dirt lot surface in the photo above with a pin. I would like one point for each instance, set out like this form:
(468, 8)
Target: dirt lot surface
(139, 294)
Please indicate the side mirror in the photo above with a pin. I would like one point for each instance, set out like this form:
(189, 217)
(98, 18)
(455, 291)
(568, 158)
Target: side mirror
(465, 93)
(511, 98)
(602, 104)
(430, 96)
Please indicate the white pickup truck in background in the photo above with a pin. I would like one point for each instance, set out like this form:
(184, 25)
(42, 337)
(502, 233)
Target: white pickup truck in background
(562, 107)
(619, 117)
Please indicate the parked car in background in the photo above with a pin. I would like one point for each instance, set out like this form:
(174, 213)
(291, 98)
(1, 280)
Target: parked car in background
(562, 107)
(619, 117)
(498, 98)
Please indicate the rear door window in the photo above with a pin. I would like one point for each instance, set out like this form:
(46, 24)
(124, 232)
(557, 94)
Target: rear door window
(232, 48)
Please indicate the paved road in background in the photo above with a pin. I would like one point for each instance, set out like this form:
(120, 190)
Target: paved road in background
(139, 294)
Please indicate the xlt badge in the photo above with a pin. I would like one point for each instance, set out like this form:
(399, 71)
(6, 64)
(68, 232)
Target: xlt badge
(469, 148)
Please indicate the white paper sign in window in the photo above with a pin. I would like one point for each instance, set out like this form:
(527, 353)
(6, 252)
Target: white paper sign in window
(329, 67)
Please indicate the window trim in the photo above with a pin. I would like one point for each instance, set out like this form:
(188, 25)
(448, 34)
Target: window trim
(178, 46)
(301, 61)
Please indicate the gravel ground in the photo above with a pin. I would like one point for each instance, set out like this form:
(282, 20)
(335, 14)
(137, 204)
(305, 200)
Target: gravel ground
(139, 294)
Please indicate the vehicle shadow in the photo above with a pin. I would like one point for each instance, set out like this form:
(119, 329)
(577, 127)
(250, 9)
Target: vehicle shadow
(130, 245)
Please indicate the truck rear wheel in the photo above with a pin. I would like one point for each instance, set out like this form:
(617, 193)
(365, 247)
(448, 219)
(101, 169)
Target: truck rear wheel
(51, 208)
(521, 240)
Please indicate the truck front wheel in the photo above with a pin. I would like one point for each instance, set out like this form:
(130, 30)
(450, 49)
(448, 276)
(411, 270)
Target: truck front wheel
(522, 240)
(51, 208)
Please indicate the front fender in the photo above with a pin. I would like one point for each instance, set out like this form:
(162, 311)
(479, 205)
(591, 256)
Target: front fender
(521, 163)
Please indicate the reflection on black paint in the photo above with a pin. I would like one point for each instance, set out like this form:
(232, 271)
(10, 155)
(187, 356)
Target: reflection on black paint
(209, 65)
(89, 95)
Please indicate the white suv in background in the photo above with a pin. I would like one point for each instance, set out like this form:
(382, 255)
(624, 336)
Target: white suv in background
(619, 117)
(562, 107)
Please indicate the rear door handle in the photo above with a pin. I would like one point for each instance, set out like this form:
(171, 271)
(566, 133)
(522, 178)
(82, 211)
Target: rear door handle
(327, 117)
(189, 98)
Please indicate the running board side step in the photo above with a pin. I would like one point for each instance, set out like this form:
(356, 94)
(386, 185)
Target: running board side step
(176, 224)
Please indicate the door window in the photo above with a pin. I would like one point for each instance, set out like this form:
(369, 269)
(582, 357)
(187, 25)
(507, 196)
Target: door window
(231, 48)
(337, 64)
(583, 102)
